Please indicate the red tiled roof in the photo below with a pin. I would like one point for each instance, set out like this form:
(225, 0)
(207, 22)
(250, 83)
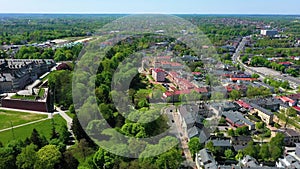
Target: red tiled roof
(196, 73)
(158, 70)
(286, 99)
(170, 63)
(228, 88)
(297, 108)
(173, 74)
(201, 90)
(243, 79)
(285, 63)
(243, 104)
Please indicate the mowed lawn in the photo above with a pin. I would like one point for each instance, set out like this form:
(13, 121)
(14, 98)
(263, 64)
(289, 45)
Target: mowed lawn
(43, 127)
(8, 118)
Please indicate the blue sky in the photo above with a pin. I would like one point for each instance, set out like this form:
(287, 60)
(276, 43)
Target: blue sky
(152, 6)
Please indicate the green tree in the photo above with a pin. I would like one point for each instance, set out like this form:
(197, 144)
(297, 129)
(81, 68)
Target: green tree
(7, 158)
(259, 125)
(276, 152)
(291, 112)
(134, 129)
(37, 140)
(255, 75)
(210, 146)
(235, 94)
(194, 146)
(251, 150)
(27, 158)
(104, 159)
(47, 157)
(264, 152)
(69, 161)
(229, 154)
(217, 96)
(230, 132)
(239, 155)
(169, 159)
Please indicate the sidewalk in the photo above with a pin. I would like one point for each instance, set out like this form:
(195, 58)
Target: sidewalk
(22, 125)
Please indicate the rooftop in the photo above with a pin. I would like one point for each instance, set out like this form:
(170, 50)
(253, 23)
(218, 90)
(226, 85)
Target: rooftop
(265, 111)
(237, 118)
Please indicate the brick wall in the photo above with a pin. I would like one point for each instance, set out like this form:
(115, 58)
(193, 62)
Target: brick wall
(25, 105)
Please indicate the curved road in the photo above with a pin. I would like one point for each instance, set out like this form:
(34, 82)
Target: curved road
(295, 82)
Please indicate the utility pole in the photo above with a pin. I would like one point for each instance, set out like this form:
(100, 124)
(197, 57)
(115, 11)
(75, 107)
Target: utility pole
(12, 130)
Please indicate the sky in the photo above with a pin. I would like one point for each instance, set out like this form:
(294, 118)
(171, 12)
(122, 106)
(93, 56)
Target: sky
(152, 6)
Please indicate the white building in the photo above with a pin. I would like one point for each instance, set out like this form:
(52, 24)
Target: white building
(266, 32)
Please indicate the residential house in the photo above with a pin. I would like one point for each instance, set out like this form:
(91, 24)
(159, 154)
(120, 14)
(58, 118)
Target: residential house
(189, 58)
(270, 103)
(225, 106)
(159, 75)
(288, 101)
(288, 162)
(249, 162)
(265, 115)
(204, 159)
(224, 144)
(240, 142)
(243, 105)
(190, 120)
(291, 137)
(15, 74)
(237, 119)
(297, 149)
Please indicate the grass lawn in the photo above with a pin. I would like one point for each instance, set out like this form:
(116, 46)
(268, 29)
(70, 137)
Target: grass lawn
(70, 114)
(41, 92)
(23, 97)
(44, 128)
(17, 118)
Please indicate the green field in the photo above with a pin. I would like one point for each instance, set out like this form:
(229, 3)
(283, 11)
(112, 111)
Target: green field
(8, 118)
(44, 128)
(23, 97)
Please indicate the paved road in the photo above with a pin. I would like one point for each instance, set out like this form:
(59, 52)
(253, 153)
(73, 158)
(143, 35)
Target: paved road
(236, 59)
(183, 136)
(64, 115)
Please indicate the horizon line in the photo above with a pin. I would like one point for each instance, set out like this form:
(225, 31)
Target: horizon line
(116, 13)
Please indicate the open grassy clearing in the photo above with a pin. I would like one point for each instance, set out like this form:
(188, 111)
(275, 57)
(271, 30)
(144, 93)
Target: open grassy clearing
(43, 127)
(8, 118)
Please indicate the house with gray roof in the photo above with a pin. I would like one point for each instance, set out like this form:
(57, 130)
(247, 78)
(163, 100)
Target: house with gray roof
(265, 115)
(237, 119)
(204, 159)
(288, 162)
(15, 74)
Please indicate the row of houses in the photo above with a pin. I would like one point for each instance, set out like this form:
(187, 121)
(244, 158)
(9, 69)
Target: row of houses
(184, 85)
(18, 73)
(205, 159)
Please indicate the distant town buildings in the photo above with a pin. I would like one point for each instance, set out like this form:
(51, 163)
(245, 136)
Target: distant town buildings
(267, 32)
(17, 73)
